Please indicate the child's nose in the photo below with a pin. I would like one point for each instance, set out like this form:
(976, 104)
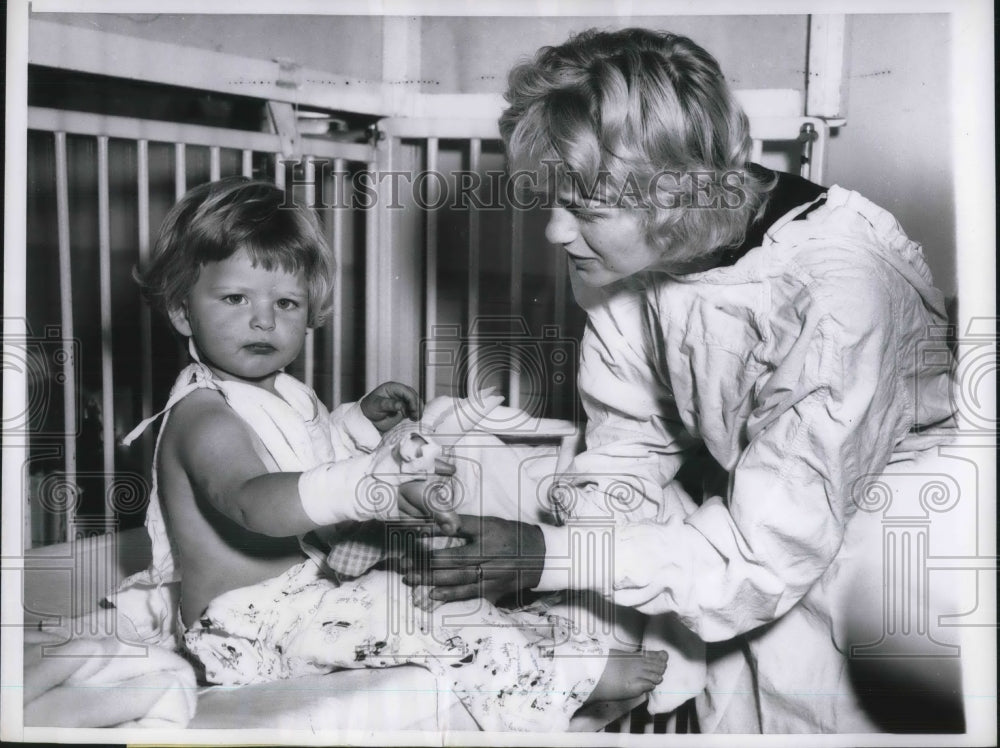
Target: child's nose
(561, 228)
(263, 317)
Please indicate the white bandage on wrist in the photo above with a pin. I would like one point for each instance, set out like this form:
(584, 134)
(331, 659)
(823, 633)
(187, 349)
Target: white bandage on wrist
(365, 487)
(322, 492)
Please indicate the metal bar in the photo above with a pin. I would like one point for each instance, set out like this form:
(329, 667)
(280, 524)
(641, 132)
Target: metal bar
(130, 128)
(310, 343)
(431, 272)
(372, 270)
(107, 370)
(336, 324)
(756, 150)
(180, 170)
(817, 165)
(279, 171)
(516, 301)
(457, 128)
(475, 152)
(214, 165)
(246, 168)
(145, 321)
(66, 312)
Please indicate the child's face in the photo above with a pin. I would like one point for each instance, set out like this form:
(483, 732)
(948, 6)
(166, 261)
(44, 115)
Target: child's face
(247, 322)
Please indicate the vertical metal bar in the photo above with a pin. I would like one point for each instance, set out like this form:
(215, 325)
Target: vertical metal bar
(475, 151)
(817, 165)
(310, 344)
(279, 171)
(431, 271)
(180, 171)
(807, 134)
(756, 150)
(372, 270)
(516, 301)
(214, 163)
(107, 371)
(66, 313)
(246, 168)
(336, 325)
(145, 321)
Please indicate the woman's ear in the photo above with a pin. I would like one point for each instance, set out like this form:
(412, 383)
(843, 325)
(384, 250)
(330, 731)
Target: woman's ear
(179, 319)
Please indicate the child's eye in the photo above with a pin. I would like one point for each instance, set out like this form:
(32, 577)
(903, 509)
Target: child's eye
(287, 304)
(234, 298)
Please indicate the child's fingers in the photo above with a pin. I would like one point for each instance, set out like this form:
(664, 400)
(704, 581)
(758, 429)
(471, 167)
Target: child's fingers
(448, 522)
(385, 405)
(409, 508)
(443, 467)
(405, 398)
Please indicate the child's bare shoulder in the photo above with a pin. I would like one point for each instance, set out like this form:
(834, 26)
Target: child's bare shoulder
(202, 421)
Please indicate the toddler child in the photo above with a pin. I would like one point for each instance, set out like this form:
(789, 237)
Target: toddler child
(249, 467)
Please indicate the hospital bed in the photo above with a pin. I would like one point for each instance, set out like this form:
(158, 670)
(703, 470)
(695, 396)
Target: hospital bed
(444, 295)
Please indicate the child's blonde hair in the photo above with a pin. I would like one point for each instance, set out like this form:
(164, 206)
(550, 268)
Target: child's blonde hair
(628, 105)
(215, 220)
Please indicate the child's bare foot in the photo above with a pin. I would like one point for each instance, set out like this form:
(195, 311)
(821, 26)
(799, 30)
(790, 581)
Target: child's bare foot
(629, 674)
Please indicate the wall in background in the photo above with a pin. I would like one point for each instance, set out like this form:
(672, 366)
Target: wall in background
(896, 146)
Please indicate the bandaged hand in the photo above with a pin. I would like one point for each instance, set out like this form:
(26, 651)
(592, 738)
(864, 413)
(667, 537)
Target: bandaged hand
(389, 403)
(367, 487)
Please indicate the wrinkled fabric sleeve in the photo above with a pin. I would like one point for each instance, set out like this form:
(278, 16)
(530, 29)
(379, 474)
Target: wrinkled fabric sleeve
(636, 442)
(830, 413)
(351, 433)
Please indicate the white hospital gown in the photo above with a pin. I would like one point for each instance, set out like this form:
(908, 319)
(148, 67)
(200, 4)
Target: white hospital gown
(513, 670)
(797, 369)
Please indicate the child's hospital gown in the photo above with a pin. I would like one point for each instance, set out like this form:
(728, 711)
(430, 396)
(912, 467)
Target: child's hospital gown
(513, 670)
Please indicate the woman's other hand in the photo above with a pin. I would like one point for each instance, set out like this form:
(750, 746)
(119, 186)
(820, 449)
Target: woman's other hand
(500, 557)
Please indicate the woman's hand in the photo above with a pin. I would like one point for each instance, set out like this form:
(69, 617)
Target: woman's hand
(389, 403)
(500, 557)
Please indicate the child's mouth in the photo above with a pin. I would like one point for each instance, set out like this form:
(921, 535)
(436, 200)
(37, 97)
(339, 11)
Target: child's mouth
(261, 348)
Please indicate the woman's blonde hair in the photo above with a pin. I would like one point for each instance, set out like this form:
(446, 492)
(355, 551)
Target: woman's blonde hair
(648, 119)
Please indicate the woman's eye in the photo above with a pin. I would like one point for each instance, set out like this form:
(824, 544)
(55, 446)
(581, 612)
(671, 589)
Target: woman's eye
(585, 215)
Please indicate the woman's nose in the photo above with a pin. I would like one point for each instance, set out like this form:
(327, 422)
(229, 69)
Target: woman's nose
(263, 317)
(561, 228)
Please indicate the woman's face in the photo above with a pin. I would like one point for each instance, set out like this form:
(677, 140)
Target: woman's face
(605, 243)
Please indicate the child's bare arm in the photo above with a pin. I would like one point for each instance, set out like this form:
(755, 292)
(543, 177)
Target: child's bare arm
(215, 450)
